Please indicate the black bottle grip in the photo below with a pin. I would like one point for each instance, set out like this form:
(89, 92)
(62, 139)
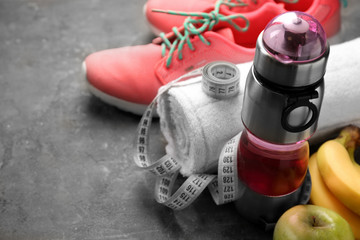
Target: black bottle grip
(302, 101)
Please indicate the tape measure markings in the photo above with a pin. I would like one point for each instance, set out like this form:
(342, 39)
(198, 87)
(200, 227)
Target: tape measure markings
(186, 194)
(221, 80)
(224, 186)
(227, 170)
(166, 164)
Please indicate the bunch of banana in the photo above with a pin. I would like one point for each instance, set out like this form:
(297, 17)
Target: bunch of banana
(336, 177)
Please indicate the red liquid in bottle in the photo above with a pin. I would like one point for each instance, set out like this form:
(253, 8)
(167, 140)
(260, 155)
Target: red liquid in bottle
(271, 169)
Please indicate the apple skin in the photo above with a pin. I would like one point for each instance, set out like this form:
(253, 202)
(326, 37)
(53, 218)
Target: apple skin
(304, 222)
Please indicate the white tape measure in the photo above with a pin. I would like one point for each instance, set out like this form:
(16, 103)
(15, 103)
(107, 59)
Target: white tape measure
(220, 80)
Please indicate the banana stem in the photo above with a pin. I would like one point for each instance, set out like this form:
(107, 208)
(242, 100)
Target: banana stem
(349, 137)
(351, 152)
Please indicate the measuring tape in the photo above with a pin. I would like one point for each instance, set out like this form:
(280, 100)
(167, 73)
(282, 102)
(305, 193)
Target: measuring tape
(219, 80)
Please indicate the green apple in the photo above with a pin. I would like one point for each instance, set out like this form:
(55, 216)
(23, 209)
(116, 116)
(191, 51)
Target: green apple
(304, 222)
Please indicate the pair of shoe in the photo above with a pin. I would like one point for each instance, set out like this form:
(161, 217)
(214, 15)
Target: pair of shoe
(198, 32)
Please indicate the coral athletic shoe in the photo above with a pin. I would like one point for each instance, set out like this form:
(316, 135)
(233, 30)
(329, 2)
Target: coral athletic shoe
(164, 22)
(327, 12)
(129, 77)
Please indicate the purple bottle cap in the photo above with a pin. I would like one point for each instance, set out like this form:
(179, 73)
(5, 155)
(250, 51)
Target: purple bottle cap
(295, 37)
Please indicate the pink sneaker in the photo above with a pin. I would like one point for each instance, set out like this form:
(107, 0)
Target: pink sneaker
(129, 77)
(327, 12)
(164, 23)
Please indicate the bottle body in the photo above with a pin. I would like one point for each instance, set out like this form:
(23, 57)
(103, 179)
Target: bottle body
(271, 169)
(282, 100)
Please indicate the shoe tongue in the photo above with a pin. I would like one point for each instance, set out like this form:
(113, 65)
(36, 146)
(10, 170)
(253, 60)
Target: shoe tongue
(226, 33)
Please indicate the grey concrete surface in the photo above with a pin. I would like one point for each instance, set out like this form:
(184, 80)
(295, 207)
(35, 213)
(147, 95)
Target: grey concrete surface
(66, 169)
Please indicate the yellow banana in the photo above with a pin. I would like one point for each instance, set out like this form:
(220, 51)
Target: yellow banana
(321, 196)
(339, 174)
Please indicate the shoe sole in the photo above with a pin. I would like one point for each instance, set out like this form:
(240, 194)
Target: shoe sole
(134, 108)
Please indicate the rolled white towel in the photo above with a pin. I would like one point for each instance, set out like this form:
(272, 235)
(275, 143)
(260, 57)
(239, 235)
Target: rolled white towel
(341, 103)
(197, 126)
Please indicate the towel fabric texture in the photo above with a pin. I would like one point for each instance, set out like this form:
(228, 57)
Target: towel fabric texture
(197, 126)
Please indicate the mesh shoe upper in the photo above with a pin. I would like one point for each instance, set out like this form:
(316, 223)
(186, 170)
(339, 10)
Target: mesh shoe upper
(164, 23)
(135, 73)
(327, 12)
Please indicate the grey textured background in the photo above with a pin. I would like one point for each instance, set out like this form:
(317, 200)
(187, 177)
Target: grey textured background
(66, 170)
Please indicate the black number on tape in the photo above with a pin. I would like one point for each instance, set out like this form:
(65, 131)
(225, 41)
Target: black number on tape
(227, 169)
(228, 179)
